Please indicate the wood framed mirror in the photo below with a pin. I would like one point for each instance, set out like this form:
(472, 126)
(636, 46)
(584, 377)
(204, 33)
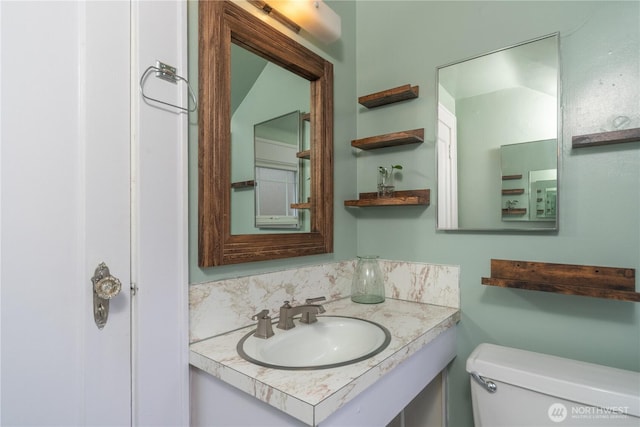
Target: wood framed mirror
(222, 23)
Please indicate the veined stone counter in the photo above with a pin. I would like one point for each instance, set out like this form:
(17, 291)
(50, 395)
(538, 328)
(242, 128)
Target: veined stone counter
(313, 395)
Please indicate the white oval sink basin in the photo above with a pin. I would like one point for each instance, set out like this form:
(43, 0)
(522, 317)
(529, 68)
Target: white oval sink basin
(330, 342)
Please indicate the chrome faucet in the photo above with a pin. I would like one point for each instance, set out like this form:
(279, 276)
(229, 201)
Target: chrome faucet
(308, 311)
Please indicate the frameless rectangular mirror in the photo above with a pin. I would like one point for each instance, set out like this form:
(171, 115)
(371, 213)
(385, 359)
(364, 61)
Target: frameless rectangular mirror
(497, 149)
(529, 181)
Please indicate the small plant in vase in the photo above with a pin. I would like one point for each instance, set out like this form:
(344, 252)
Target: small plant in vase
(385, 180)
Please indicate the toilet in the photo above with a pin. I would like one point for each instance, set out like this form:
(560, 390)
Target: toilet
(512, 387)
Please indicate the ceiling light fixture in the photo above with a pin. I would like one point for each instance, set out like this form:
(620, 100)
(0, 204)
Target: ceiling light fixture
(314, 16)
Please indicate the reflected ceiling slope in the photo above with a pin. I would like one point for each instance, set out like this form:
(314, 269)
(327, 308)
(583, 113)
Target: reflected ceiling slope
(245, 69)
(507, 69)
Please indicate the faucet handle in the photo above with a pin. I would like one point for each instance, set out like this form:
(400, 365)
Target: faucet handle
(309, 316)
(264, 328)
(262, 315)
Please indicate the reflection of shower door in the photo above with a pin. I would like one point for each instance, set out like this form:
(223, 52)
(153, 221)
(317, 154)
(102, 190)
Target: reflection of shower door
(447, 169)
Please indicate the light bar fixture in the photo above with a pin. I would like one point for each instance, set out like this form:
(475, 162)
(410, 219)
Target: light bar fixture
(314, 16)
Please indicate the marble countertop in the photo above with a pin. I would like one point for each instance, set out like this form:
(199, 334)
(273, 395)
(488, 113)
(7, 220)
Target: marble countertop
(311, 396)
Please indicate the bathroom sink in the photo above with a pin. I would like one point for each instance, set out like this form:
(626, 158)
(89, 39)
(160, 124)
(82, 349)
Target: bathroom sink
(330, 342)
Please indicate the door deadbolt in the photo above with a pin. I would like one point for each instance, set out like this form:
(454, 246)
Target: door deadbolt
(105, 287)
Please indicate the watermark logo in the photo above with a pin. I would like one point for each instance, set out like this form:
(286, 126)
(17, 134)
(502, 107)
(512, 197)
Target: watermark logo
(557, 412)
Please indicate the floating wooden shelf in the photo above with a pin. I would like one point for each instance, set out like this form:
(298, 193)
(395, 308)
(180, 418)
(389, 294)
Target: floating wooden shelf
(510, 177)
(513, 212)
(568, 279)
(300, 205)
(243, 184)
(389, 96)
(306, 117)
(512, 191)
(306, 154)
(400, 198)
(606, 138)
(414, 136)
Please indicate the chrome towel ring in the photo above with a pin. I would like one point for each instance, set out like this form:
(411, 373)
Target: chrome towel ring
(167, 73)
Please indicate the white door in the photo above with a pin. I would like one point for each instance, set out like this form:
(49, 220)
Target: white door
(447, 169)
(65, 207)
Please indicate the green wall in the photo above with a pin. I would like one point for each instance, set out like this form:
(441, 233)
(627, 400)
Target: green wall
(403, 42)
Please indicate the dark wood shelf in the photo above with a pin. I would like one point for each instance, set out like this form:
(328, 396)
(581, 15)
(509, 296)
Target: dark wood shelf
(306, 117)
(300, 205)
(606, 138)
(510, 177)
(415, 136)
(306, 154)
(568, 279)
(389, 96)
(400, 198)
(514, 212)
(243, 184)
(512, 191)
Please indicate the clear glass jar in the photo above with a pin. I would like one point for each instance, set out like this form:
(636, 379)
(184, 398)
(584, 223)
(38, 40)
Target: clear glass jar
(367, 286)
(385, 181)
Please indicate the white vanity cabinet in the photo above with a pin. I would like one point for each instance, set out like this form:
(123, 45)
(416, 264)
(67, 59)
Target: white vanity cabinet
(227, 390)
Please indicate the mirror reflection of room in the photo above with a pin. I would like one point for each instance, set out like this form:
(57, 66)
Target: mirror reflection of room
(267, 133)
(505, 98)
(280, 171)
(529, 181)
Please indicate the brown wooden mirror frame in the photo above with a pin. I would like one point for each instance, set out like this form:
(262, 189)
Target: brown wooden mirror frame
(220, 24)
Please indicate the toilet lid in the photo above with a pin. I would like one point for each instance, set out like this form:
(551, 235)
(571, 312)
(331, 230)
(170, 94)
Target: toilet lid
(581, 382)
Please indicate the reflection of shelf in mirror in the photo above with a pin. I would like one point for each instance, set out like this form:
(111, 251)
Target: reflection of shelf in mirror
(243, 184)
(306, 154)
(414, 136)
(300, 205)
(512, 191)
(389, 96)
(510, 177)
(585, 280)
(400, 198)
(518, 211)
(606, 138)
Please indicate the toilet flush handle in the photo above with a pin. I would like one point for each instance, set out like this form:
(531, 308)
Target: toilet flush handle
(490, 386)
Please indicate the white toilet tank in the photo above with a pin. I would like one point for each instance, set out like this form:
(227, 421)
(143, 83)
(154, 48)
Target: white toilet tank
(534, 389)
